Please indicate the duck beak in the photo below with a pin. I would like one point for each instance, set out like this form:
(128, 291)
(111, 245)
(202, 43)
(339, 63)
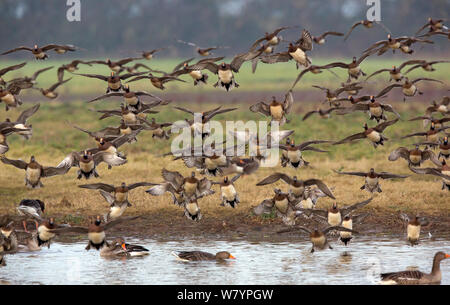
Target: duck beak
(232, 257)
(124, 247)
(447, 255)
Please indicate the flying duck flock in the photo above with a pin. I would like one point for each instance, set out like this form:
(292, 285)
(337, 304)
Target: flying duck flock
(215, 160)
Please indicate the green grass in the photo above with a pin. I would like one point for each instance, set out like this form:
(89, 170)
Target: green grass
(53, 139)
(275, 77)
(53, 136)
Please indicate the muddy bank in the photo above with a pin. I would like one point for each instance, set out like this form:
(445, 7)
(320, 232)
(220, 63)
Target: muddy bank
(246, 226)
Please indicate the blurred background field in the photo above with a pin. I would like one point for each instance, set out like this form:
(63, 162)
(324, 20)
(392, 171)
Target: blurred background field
(268, 77)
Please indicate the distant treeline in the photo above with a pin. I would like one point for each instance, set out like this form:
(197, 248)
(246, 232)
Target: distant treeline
(123, 27)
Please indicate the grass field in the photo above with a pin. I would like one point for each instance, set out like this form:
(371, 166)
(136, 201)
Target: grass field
(278, 77)
(53, 139)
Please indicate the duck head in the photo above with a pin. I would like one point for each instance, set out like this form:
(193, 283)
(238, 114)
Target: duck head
(334, 207)
(354, 59)
(224, 255)
(365, 126)
(32, 159)
(372, 99)
(441, 256)
(85, 155)
(225, 179)
(98, 220)
(445, 140)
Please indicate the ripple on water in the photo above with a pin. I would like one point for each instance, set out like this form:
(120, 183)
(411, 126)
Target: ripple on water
(258, 262)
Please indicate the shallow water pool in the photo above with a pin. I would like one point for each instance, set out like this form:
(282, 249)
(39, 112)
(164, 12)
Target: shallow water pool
(257, 262)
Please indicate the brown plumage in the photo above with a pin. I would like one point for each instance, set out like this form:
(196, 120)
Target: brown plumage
(442, 171)
(333, 215)
(50, 92)
(321, 38)
(367, 24)
(416, 277)
(95, 231)
(293, 153)
(34, 171)
(415, 157)
(120, 192)
(149, 54)
(324, 114)
(318, 237)
(39, 52)
(276, 110)
(408, 87)
(297, 52)
(9, 69)
(202, 256)
(375, 109)
(157, 82)
(372, 179)
(70, 67)
(225, 71)
(197, 75)
(373, 134)
(114, 80)
(297, 186)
